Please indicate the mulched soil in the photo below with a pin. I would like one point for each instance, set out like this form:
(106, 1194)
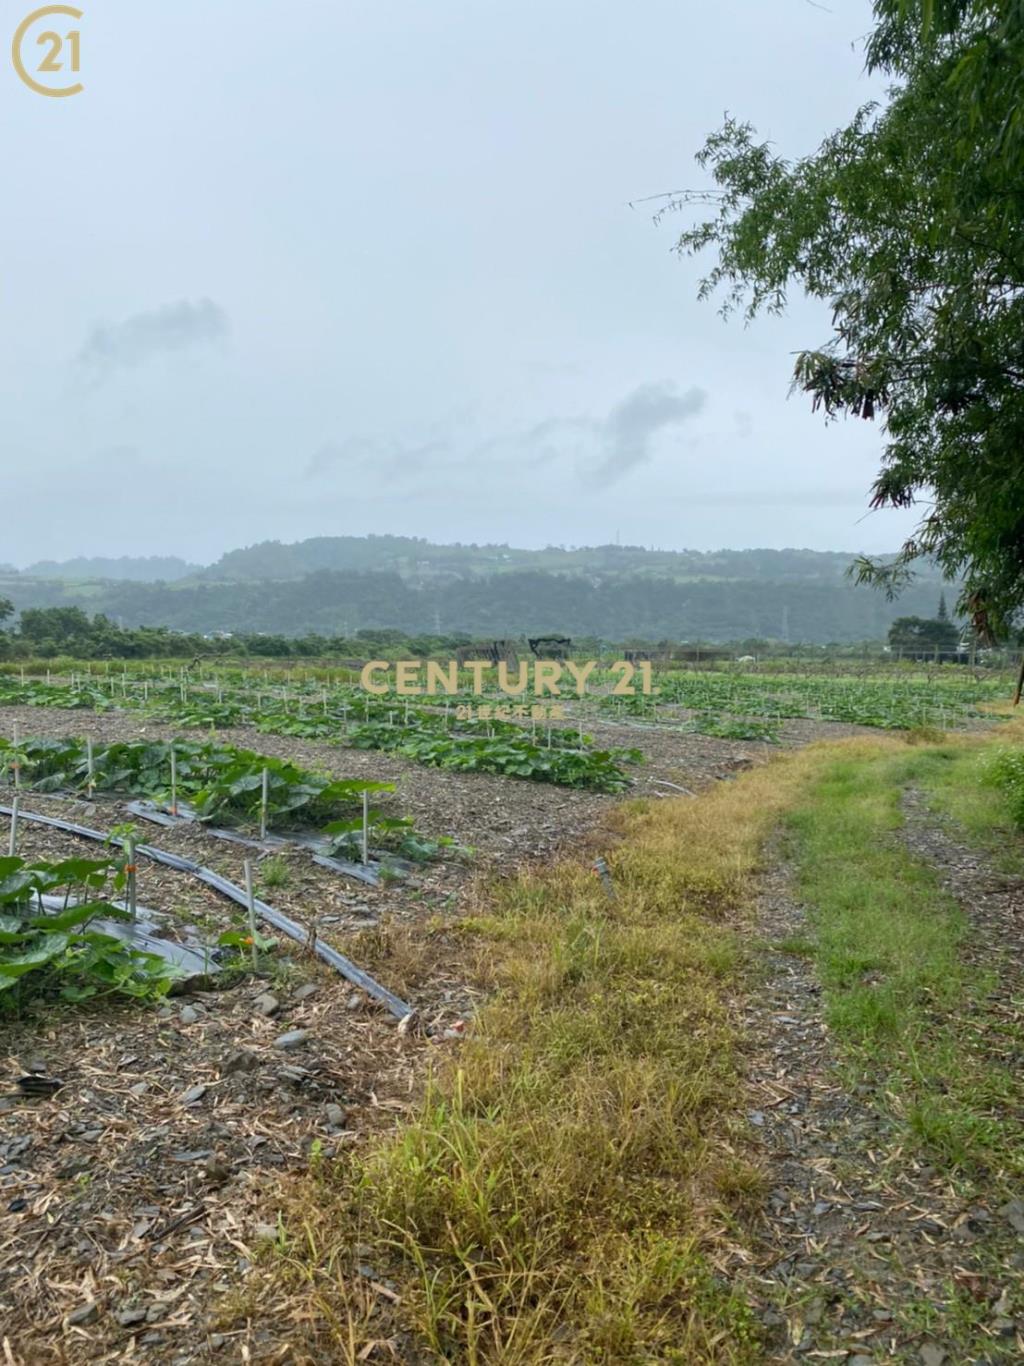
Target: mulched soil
(133, 1202)
(863, 1243)
(130, 1201)
(502, 819)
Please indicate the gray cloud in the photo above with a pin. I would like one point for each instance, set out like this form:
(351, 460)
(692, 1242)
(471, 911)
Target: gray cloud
(355, 450)
(175, 327)
(627, 434)
(509, 320)
(779, 498)
(603, 449)
(370, 454)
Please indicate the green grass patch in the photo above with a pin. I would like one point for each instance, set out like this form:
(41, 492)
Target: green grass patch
(575, 1176)
(913, 1014)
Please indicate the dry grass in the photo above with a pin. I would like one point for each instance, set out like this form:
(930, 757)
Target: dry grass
(575, 1183)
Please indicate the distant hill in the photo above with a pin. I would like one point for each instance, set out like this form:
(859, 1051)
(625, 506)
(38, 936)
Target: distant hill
(422, 563)
(336, 585)
(614, 607)
(147, 569)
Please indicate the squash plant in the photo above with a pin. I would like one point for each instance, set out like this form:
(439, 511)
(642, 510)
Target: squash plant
(63, 950)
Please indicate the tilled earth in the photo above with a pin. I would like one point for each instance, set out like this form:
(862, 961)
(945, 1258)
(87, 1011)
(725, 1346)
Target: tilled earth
(130, 1200)
(867, 1251)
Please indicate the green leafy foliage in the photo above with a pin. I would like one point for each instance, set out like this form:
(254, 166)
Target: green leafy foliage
(1006, 771)
(63, 952)
(923, 635)
(907, 224)
(885, 704)
(220, 781)
(516, 756)
(735, 728)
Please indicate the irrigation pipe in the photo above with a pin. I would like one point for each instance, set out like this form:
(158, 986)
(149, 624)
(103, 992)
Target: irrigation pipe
(399, 1008)
(147, 811)
(143, 934)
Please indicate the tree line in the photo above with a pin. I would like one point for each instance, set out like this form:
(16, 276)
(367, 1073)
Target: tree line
(521, 603)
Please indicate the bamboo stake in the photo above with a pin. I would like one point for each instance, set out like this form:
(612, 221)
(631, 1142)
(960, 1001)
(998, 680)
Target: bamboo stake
(174, 782)
(13, 845)
(264, 803)
(90, 767)
(366, 827)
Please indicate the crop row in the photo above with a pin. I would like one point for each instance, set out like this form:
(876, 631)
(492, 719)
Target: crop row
(897, 704)
(427, 734)
(219, 782)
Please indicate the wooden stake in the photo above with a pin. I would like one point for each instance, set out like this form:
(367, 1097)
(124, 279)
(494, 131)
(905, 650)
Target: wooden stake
(13, 847)
(366, 827)
(130, 899)
(174, 782)
(250, 898)
(264, 803)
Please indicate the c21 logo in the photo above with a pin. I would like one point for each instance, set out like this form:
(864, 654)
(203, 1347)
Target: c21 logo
(60, 51)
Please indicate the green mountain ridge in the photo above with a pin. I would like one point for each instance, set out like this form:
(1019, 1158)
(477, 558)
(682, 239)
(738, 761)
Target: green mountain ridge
(136, 569)
(412, 585)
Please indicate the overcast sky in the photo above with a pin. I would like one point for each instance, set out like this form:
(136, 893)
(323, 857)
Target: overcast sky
(291, 269)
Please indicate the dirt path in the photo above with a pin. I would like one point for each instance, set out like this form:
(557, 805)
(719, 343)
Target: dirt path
(868, 1253)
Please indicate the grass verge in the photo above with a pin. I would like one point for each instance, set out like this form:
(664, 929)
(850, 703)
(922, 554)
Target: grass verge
(574, 1185)
(919, 1020)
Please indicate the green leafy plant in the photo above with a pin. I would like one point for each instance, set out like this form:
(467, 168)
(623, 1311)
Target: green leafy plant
(63, 951)
(275, 873)
(513, 756)
(1006, 771)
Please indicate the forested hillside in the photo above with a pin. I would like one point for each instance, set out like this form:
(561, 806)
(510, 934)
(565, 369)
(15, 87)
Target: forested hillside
(820, 607)
(421, 561)
(138, 569)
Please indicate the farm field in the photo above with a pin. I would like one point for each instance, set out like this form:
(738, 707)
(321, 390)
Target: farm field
(692, 1109)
